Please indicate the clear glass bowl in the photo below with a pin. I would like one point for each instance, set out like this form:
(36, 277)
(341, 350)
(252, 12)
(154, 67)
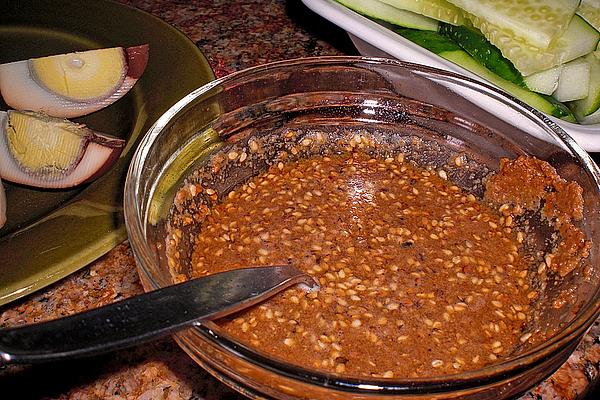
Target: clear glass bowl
(455, 114)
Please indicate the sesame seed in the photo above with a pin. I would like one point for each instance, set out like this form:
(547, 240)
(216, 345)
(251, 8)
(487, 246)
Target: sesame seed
(520, 237)
(525, 337)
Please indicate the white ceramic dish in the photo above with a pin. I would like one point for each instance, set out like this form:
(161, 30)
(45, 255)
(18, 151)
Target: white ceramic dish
(372, 39)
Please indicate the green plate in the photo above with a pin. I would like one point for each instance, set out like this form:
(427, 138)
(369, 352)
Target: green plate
(52, 233)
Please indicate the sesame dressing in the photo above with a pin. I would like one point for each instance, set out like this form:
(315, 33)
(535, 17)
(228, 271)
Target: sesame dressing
(418, 277)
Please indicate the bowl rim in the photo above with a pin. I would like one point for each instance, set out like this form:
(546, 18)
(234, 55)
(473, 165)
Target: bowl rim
(442, 383)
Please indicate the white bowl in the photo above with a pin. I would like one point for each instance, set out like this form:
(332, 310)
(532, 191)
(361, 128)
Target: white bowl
(374, 40)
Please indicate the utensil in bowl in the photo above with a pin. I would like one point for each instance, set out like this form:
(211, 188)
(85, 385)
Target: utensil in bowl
(144, 317)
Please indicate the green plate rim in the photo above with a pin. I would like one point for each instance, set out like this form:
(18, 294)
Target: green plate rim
(98, 205)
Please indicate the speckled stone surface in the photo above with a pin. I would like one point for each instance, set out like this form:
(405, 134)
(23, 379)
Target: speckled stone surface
(233, 36)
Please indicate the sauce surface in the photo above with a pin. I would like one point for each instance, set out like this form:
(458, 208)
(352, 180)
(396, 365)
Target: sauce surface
(418, 277)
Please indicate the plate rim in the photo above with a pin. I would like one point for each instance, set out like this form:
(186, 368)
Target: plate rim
(587, 136)
(104, 241)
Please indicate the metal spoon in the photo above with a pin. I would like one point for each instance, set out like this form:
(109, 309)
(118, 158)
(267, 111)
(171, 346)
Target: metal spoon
(147, 316)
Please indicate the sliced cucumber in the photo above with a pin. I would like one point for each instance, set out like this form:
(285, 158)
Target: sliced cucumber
(432, 41)
(574, 81)
(384, 12)
(483, 51)
(582, 36)
(448, 49)
(440, 10)
(538, 101)
(544, 82)
(579, 39)
(535, 22)
(590, 11)
(590, 104)
(591, 119)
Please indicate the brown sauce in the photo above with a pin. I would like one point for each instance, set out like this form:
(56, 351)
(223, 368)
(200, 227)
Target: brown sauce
(418, 278)
(530, 184)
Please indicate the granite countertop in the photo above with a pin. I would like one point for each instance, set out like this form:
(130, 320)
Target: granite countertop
(233, 36)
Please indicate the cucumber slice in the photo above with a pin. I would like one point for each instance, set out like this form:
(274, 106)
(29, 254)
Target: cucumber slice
(574, 81)
(590, 119)
(446, 48)
(440, 10)
(538, 101)
(579, 39)
(432, 41)
(535, 22)
(544, 82)
(384, 12)
(483, 51)
(591, 104)
(590, 11)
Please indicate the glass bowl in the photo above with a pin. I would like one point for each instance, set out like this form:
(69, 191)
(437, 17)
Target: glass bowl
(454, 115)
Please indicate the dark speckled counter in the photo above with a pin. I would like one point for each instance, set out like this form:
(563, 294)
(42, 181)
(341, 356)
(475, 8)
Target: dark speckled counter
(233, 36)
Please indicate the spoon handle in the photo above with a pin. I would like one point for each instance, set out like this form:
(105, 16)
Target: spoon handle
(147, 316)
